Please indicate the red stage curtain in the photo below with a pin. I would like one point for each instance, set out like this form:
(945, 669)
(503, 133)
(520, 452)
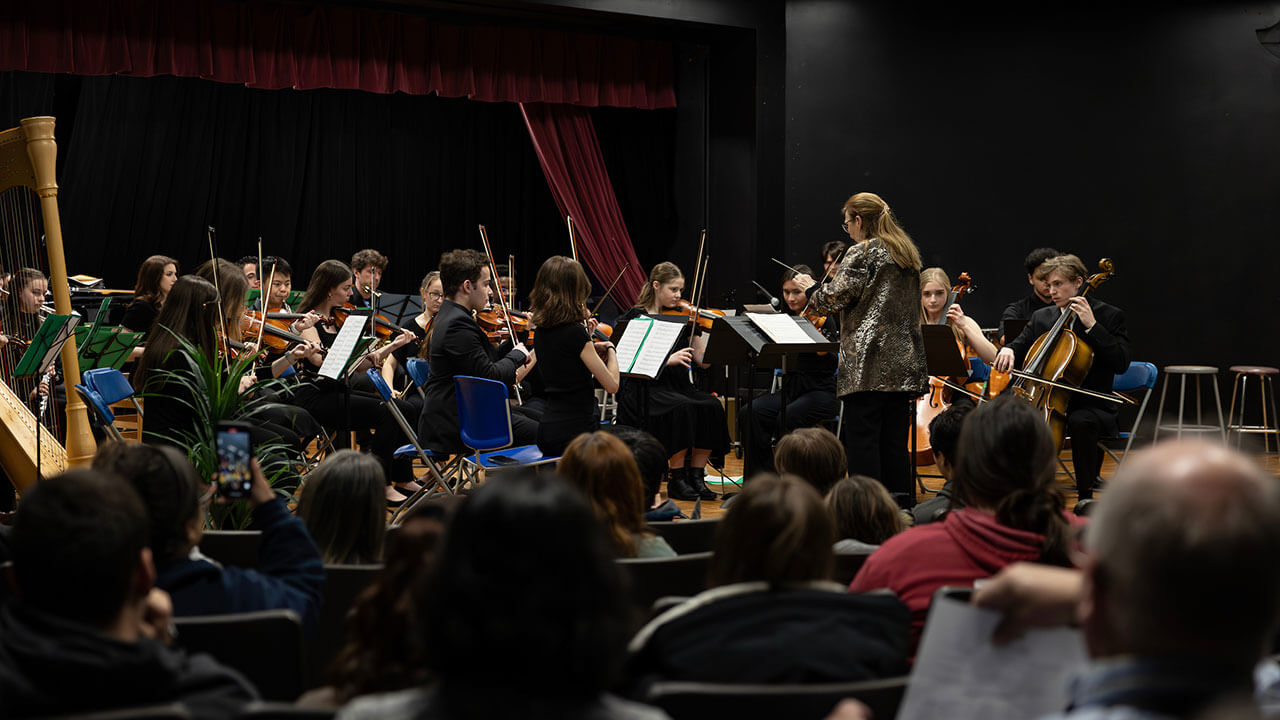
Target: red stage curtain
(565, 141)
(273, 46)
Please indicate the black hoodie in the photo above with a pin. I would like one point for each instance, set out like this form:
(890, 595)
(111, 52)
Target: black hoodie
(50, 666)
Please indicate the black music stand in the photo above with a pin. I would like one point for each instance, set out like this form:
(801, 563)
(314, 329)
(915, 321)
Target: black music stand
(736, 340)
(942, 358)
(398, 308)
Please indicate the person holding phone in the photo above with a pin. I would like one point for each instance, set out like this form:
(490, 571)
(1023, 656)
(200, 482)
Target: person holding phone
(570, 357)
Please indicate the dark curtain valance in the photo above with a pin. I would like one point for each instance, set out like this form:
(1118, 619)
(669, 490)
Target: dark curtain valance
(274, 46)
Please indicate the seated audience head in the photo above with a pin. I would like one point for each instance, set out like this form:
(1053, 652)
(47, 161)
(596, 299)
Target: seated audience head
(527, 602)
(80, 551)
(330, 287)
(156, 277)
(343, 504)
(1183, 558)
(601, 466)
(814, 454)
(1005, 465)
(862, 509)
(944, 436)
(170, 490)
(190, 312)
(777, 531)
(650, 456)
(465, 278)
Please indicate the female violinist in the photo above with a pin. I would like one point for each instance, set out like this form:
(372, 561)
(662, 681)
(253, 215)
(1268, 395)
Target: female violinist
(1102, 328)
(567, 356)
(156, 277)
(935, 291)
(680, 416)
(876, 291)
(337, 406)
(808, 389)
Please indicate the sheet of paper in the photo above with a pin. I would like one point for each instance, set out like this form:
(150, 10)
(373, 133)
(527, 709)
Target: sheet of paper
(644, 345)
(632, 338)
(343, 345)
(780, 328)
(960, 675)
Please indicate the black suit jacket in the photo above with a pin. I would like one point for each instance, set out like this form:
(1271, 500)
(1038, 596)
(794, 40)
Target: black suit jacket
(1108, 338)
(458, 347)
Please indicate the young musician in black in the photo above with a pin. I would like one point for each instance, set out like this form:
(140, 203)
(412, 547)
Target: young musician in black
(568, 357)
(808, 388)
(1039, 297)
(682, 417)
(367, 267)
(459, 347)
(1102, 327)
(156, 277)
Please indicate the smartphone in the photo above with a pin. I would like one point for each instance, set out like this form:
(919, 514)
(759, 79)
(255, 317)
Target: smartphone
(234, 449)
(503, 460)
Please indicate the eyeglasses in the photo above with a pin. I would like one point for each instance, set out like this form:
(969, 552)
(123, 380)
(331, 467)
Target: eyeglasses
(435, 295)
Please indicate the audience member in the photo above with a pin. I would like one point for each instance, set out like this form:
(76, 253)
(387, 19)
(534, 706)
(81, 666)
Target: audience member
(1004, 476)
(601, 466)
(864, 514)
(290, 574)
(944, 435)
(89, 631)
(814, 455)
(772, 614)
(1179, 593)
(383, 652)
(343, 504)
(511, 630)
(651, 458)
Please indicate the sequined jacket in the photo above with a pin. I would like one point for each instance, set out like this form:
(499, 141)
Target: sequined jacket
(881, 348)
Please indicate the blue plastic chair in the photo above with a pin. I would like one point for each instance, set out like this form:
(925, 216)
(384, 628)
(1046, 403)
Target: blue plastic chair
(105, 416)
(1139, 375)
(485, 425)
(112, 385)
(413, 448)
(419, 370)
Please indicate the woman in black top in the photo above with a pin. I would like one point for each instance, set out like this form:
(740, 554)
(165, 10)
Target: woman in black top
(808, 388)
(567, 355)
(155, 279)
(679, 415)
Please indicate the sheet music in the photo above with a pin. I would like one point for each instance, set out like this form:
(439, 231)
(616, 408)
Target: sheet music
(343, 345)
(780, 328)
(644, 345)
(959, 674)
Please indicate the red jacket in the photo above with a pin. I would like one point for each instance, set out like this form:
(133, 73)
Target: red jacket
(968, 545)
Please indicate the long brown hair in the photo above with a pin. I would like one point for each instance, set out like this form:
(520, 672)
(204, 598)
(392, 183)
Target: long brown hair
(863, 510)
(937, 275)
(343, 506)
(150, 273)
(190, 312)
(778, 532)
(1005, 462)
(560, 292)
(232, 285)
(327, 276)
(879, 222)
(662, 273)
(601, 466)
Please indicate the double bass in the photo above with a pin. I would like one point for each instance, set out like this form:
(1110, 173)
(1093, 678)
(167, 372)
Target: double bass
(1057, 364)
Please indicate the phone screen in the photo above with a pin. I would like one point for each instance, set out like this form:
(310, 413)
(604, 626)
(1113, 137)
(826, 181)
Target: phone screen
(234, 476)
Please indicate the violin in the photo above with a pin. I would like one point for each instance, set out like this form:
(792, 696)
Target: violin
(936, 401)
(275, 332)
(383, 328)
(1057, 364)
(705, 317)
(494, 322)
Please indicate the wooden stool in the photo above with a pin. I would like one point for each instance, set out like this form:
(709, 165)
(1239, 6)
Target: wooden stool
(1198, 371)
(1268, 397)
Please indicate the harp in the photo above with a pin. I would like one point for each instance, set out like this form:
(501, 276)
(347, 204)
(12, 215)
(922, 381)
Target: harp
(28, 157)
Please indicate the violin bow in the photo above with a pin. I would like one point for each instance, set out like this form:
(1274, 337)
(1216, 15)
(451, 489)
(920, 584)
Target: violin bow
(262, 294)
(609, 290)
(213, 263)
(826, 274)
(573, 243)
(506, 313)
(511, 275)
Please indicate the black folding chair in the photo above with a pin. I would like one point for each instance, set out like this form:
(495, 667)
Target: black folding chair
(695, 701)
(687, 536)
(265, 646)
(235, 548)
(847, 565)
(653, 578)
(342, 584)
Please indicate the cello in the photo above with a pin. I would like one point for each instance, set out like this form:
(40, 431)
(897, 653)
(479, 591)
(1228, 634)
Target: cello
(933, 403)
(1057, 364)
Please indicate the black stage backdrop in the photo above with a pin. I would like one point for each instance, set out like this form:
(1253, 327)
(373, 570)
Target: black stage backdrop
(147, 163)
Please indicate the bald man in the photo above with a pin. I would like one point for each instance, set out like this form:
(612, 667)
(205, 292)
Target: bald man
(1178, 591)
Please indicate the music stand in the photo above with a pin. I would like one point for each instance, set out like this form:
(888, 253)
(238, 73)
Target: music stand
(942, 358)
(400, 308)
(738, 340)
(43, 349)
(642, 352)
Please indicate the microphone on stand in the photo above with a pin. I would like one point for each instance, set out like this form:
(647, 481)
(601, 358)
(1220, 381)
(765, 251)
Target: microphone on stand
(773, 301)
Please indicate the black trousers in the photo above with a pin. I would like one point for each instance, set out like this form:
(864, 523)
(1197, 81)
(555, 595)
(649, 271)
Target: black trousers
(876, 439)
(806, 410)
(343, 409)
(1086, 426)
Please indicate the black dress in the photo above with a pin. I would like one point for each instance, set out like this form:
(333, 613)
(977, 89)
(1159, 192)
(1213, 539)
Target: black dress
(679, 415)
(570, 389)
(140, 316)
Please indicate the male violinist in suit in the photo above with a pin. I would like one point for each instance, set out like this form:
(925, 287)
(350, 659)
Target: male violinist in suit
(1102, 327)
(459, 347)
